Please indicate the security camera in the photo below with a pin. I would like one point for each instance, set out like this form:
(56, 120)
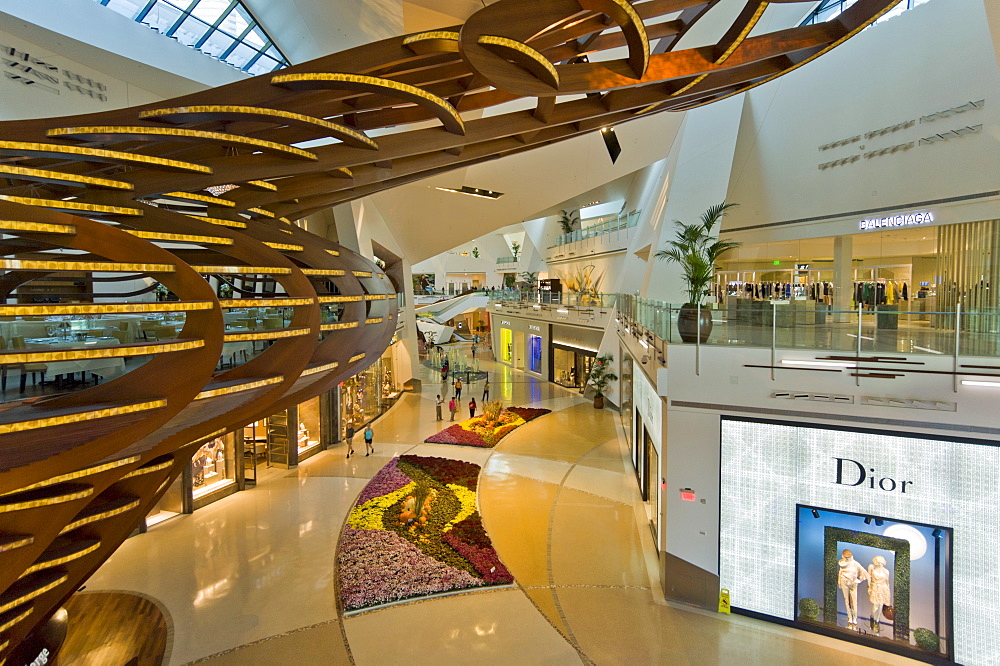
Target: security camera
(645, 358)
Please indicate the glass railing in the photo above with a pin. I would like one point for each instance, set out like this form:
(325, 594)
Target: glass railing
(553, 298)
(605, 226)
(900, 329)
(507, 260)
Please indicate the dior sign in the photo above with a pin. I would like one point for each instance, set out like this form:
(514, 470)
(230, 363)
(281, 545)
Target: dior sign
(852, 473)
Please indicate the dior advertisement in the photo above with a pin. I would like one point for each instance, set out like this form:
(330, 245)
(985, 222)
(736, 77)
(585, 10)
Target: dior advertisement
(874, 577)
(882, 538)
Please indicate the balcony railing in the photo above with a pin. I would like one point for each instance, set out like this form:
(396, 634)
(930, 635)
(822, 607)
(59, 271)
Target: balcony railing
(900, 329)
(568, 299)
(604, 226)
(507, 260)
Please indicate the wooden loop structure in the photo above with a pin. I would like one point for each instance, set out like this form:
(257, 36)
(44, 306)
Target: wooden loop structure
(203, 189)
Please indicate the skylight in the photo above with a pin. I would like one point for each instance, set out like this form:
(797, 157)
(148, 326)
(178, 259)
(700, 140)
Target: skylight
(222, 29)
(831, 9)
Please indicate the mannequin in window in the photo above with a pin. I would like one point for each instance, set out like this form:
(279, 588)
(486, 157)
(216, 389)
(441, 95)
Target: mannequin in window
(850, 574)
(879, 593)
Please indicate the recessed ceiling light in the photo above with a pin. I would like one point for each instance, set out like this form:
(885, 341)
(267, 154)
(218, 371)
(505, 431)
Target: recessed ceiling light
(472, 191)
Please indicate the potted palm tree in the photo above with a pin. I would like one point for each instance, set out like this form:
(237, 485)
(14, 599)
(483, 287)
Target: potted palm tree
(697, 250)
(600, 377)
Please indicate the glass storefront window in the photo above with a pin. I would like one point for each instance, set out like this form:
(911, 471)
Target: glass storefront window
(368, 394)
(506, 345)
(308, 431)
(535, 353)
(213, 467)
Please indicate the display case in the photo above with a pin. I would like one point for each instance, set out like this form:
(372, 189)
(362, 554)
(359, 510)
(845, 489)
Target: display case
(213, 473)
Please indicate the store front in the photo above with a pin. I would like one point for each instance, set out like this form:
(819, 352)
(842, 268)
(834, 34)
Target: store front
(879, 538)
(285, 439)
(213, 471)
(574, 351)
(522, 344)
(368, 394)
(648, 420)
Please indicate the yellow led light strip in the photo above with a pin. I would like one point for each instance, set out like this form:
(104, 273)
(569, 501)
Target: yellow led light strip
(47, 501)
(48, 564)
(72, 205)
(53, 356)
(333, 252)
(11, 622)
(102, 308)
(46, 176)
(40, 227)
(181, 133)
(319, 368)
(238, 388)
(285, 220)
(147, 469)
(343, 171)
(99, 516)
(267, 335)
(338, 326)
(373, 84)
(284, 246)
(204, 198)
(362, 273)
(431, 35)
(89, 471)
(262, 184)
(378, 297)
(35, 424)
(373, 320)
(692, 84)
(356, 357)
(524, 56)
(26, 149)
(179, 238)
(751, 22)
(263, 302)
(18, 543)
(340, 299)
(261, 211)
(245, 270)
(329, 272)
(341, 132)
(101, 266)
(287, 231)
(220, 222)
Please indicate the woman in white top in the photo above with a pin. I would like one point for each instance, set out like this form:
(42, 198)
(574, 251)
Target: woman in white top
(879, 593)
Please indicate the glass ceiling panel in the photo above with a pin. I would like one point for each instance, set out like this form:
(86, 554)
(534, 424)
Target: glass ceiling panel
(212, 26)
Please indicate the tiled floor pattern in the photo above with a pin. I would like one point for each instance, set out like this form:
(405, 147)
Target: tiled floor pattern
(250, 579)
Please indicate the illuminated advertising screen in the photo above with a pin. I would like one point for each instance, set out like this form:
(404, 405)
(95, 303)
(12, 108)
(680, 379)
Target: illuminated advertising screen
(919, 518)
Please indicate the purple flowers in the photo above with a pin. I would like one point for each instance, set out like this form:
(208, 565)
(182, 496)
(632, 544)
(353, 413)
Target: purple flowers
(388, 479)
(383, 558)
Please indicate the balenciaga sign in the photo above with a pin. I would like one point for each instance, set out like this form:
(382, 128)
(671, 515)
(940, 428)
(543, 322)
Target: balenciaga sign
(893, 221)
(852, 473)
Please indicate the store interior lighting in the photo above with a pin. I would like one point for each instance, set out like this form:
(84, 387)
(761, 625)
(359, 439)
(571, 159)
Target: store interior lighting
(472, 192)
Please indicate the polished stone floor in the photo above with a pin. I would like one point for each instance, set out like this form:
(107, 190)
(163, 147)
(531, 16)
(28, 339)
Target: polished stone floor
(249, 579)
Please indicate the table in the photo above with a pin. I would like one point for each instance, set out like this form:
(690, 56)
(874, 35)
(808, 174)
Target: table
(102, 367)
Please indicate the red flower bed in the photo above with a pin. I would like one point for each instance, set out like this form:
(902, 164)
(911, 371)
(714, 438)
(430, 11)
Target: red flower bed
(446, 470)
(529, 413)
(456, 434)
(475, 432)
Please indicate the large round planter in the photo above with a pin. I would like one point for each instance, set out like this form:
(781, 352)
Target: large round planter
(689, 326)
(598, 402)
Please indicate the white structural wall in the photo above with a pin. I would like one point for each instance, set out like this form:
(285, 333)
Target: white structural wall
(882, 88)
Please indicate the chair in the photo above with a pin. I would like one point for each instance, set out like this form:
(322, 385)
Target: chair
(272, 323)
(122, 336)
(146, 327)
(165, 332)
(17, 342)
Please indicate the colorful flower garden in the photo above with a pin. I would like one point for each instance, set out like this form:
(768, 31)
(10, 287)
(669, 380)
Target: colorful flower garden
(485, 431)
(414, 532)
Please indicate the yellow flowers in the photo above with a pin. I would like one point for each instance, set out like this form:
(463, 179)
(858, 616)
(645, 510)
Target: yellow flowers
(467, 498)
(368, 516)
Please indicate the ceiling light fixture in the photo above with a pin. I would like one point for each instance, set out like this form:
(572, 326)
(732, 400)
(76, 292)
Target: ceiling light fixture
(835, 364)
(472, 192)
(972, 382)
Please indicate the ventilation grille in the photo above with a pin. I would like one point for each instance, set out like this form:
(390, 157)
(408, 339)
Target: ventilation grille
(815, 397)
(909, 403)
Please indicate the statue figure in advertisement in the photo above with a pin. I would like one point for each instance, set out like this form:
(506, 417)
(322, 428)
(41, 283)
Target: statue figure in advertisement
(878, 589)
(850, 575)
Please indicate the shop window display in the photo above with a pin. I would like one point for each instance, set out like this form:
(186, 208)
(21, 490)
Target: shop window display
(876, 577)
(368, 394)
(535, 353)
(308, 432)
(212, 467)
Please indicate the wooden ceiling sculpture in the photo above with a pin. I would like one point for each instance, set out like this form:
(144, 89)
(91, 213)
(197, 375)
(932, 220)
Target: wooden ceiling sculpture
(206, 186)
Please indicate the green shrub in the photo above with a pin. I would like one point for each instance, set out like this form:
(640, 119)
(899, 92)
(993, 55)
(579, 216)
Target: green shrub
(809, 608)
(927, 640)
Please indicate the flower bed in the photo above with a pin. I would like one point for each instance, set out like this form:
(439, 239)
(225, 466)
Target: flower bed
(415, 531)
(477, 432)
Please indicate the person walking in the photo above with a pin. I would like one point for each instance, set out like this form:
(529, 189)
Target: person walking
(437, 408)
(452, 407)
(350, 438)
(458, 389)
(369, 436)
(486, 390)
(473, 351)
(444, 372)
(472, 408)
